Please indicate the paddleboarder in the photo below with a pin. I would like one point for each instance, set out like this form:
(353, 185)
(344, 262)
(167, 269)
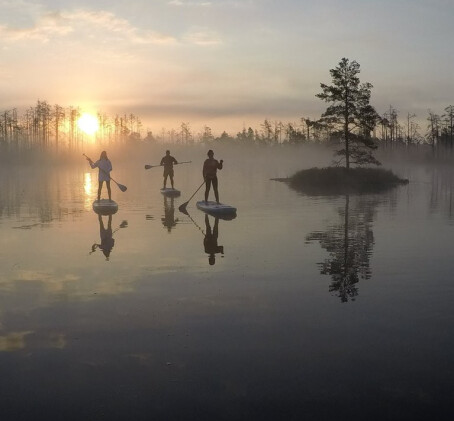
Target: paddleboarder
(168, 161)
(210, 242)
(105, 167)
(210, 167)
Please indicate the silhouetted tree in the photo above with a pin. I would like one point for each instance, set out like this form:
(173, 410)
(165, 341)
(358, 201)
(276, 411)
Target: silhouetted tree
(433, 128)
(207, 135)
(351, 113)
(449, 120)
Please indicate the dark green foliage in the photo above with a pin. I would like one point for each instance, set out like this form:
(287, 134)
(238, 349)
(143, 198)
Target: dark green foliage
(350, 114)
(338, 180)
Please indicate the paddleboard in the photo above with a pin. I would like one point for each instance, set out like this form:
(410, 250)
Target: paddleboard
(216, 209)
(170, 192)
(105, 206)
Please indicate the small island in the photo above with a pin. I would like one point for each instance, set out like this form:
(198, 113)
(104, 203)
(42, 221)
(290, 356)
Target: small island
(339, 180)
(350, 120)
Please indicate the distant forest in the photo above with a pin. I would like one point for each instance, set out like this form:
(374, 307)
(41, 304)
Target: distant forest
(53, 129)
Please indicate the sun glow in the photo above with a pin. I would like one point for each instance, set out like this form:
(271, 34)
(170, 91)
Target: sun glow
(88, 123)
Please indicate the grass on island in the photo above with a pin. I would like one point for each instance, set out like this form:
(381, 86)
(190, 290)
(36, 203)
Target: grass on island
(337, 180)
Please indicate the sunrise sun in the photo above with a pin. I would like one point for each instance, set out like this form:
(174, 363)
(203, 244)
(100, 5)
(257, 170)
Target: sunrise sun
(88, 123)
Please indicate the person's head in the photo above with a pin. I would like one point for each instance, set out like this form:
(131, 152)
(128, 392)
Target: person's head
(167, 152)
(210, 153)
(103, 155)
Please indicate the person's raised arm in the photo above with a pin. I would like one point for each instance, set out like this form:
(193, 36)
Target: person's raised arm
(220, 164)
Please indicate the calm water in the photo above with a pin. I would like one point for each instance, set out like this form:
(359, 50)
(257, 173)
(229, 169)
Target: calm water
(316, 308)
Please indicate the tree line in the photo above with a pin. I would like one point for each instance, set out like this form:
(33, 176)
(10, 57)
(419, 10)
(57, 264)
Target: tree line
(54, 129)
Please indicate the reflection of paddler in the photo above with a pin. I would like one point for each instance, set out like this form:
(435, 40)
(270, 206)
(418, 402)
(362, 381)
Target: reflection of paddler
(169, 220)
(107, 241)
(210, 241)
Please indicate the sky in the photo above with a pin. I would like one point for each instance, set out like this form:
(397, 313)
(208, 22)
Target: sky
(226, 64)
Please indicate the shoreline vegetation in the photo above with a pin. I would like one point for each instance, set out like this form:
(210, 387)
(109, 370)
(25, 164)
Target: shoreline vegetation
(338, 180)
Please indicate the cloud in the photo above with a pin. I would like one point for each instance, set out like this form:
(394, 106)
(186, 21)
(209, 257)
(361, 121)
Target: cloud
(101, 24)
(46, 27)
(113, 24)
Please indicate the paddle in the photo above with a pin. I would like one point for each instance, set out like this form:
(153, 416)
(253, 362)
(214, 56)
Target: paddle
(147, 167)
(195, 223)
(182, 208)
(120, 186)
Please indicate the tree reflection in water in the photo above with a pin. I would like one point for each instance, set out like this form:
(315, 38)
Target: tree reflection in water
(349, 244)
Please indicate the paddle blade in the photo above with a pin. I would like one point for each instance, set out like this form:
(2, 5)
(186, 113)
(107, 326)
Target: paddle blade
(147, 167)
(122, 188)
(182, 208)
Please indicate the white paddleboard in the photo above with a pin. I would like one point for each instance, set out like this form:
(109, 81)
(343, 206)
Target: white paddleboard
(105, 207)
(215, 209)
(170, 192)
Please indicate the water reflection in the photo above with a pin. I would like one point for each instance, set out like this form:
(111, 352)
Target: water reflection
(37, 194)
(349, 244)
(169, 221)
(210, 242)
(106, 234)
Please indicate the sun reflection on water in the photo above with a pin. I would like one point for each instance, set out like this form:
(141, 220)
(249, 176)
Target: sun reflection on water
(88, 188)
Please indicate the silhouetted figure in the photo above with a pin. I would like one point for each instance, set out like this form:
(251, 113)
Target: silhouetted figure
(168, 162)
(105, 167)
(107, 241)
(169, 220)
(210, 167)
(210, 242)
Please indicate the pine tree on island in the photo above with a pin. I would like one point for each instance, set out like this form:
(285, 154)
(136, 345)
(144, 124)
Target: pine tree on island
(350, 118)
(350, 113)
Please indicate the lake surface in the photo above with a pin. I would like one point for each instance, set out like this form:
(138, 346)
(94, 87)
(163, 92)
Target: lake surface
(302, 308)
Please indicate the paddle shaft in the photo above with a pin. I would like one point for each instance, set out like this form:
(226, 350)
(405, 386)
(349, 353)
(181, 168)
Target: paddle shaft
(182, 208)
(147, 167)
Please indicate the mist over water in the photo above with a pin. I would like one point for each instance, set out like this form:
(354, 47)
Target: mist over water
(314, 307)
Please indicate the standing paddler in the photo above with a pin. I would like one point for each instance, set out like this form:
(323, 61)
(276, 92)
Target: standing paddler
(210, 167)
(105, 167)
(168, 161)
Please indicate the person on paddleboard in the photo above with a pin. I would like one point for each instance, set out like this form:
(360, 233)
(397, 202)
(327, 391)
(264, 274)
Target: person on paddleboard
(210, 167)
(105, 167)
(168, 162)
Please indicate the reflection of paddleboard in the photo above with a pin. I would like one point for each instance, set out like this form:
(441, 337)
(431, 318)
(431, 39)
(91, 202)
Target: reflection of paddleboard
(105, 206)
(170, 192)
(217, 209)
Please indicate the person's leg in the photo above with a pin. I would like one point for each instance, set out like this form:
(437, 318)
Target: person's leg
(207, 188)
(165, 179)
(171, 178)
(215, 188)
(99, 189)
(108, 189)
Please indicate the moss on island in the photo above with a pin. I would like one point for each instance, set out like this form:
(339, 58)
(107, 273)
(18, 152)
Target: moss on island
(339, 180)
